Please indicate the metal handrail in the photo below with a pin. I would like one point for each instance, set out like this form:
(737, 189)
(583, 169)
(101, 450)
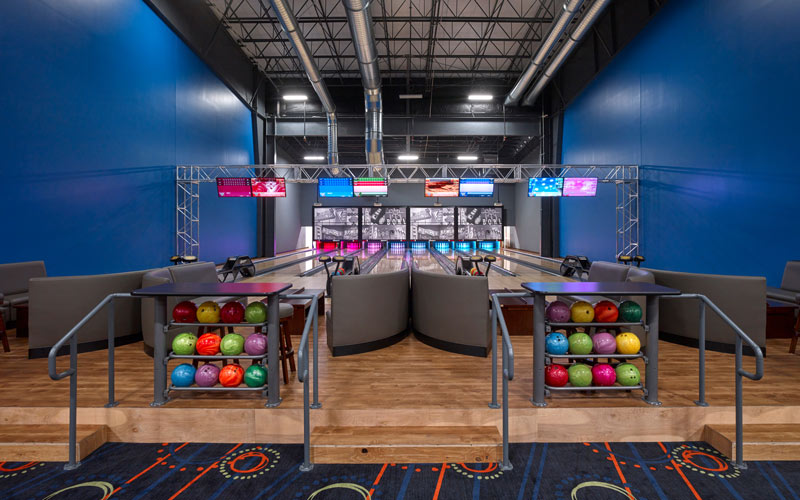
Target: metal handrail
(302, 375)
(508, 366)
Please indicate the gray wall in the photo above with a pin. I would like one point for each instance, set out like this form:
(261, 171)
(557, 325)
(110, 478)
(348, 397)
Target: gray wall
(288, 212)
(529, 220)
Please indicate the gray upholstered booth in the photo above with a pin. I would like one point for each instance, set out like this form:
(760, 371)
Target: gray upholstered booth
(368, 312)
(451, 312)
(790, 285)
(742, 298)
(14, 280)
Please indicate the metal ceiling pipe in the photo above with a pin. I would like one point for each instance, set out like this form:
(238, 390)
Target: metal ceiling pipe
(575, 37)
(360, 21)
(292, 30)
(570, 9)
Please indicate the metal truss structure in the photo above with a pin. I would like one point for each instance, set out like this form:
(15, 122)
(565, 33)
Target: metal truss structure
(624, 177)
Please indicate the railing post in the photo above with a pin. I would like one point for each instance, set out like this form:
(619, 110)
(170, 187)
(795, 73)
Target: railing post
(506, 462)
(701, 401)
(493, 403)
(538, 350)
(73, 404)
(739, 424)
(306, 465)
(316, 404)
(111, 338)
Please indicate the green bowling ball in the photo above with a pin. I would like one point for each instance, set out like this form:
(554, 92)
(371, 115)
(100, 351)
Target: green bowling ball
(255, 312)
(580, 375)
(255, 376)
(232, 344)
(630, 312)
(183, 344)
(628, 375)
(580, 343)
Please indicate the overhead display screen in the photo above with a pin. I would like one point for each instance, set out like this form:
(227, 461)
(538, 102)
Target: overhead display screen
(335, 223)
(441, 188)
(432, 223)
(268, 187)
(233, 187)
(480, 223)
(370, 186)
(580, 186)
(545, 186)
(335, 187)
(476, 187)
(383, 223)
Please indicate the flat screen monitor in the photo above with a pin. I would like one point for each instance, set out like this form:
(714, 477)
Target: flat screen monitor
(480, 223)
(441, 188)
(432, 223)
(335, 187)
(476, 187)
(580, 186)
(383, 223)
(335, 223)
(370, 186)
(234, 187)
(545, 186)
(268, 187)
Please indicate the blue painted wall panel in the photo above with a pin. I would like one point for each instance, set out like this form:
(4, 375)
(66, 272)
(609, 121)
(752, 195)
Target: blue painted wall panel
(705, 98)
(98, 102)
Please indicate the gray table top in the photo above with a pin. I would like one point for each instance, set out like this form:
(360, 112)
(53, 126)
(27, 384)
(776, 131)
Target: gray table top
(599, 288)
(213, 290)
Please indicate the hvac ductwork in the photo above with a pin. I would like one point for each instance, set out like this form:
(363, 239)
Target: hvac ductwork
(284, 14)
(575, 37)
(569, 10)
(360, 22)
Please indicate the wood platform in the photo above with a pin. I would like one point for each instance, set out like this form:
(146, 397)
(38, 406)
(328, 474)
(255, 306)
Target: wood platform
(48, 443)
(760, 441)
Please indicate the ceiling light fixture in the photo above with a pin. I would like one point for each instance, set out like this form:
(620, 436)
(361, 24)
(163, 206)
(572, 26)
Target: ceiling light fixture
(480, 97)
(314, 158)
(295, 97)
(410, 96)
(467, 158)
(408, 157)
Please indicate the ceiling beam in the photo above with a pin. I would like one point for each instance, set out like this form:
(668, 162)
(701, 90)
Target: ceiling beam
(417, 126)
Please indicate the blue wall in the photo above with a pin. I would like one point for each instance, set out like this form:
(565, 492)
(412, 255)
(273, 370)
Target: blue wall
(98, 102)
(706, 99)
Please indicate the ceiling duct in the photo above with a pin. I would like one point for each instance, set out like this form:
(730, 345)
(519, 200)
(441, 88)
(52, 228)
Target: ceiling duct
(360, 21)
(575, 37)
(290, 27)
(569, 10)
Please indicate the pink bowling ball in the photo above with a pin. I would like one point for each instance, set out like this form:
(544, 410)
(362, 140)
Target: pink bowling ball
(207, 375)
(604, 343)
(256, 344)
(557, 312)
(603, 375)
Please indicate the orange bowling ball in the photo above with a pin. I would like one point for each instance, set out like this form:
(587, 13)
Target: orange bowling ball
(231, 375)
(208, 344)
(605, 312)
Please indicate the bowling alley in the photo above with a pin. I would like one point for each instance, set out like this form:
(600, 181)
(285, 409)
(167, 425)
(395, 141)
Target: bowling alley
(399, 249)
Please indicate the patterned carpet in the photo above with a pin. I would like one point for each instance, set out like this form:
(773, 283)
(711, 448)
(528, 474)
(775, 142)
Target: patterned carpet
(641, 471)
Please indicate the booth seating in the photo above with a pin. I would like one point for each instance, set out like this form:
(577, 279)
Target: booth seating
(451, 312)
(790, 285)
(368, 312)
(3, 333)
(14, 286)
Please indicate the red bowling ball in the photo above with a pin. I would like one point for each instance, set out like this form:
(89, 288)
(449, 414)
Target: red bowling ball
(232, 312)
(184, 312)
(605, 312)
(556, 376)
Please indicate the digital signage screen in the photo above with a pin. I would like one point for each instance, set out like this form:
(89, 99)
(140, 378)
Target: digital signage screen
(268, 187)
(335, 223)
(480, 223)
(580, 186)
(476, 187)
(545, 186)
(441, 188)
(335, 187)
(370, 186)
(383, 223)
(432, 223)
(233, 187)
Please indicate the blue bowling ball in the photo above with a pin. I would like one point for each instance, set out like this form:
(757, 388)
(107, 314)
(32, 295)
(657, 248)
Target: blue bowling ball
(183, 375)
(556, 343)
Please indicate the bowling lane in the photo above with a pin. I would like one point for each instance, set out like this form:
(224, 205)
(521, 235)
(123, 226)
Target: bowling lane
(425, 261)
(533, 259)
(265, 266)
(391, 261)
(505, 264)
(291, 274)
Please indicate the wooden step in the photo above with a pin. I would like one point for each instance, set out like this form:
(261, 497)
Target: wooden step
(431, 444)
(760, 441)
(48, 443)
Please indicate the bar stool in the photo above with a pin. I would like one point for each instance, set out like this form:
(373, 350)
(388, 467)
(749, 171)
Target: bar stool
(3, 333)
(286, 351)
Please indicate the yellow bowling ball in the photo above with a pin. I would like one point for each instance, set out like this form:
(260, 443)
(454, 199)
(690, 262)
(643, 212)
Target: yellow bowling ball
(208, 312)
(628, 343)
(581, 312)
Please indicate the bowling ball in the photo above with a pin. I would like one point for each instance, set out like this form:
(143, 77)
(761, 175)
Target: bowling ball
(255, 344)
(580, 375)
(474, 272)
(208, 312)
(603, 375)
(255, 312)
(338, 272)
(232, 344)
(184, 312)
(604, 343)
(580, 343)
(556, 375)
(207, 375)
(630, 312)
(208, 344)
(628, 375)
(557, 312)
(231, 375)
(605, 312)
(183, 344)
(255, 376)
(581, 312)
(232, 312)
(556, 343)
(183, 375)
(628, 343)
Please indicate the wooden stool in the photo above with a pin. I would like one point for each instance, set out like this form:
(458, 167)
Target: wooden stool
(4, 335)
(286, 351)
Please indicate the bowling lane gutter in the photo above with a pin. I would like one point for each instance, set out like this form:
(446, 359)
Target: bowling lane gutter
(555, 262)
(292, 263)
(524, 263)
(315, 270)
(500, 269)
(373, 260)
(448, 265)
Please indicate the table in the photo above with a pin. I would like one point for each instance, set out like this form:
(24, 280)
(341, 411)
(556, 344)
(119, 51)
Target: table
(650, 291)
(517, 311)
(160, 293)
(22, 319)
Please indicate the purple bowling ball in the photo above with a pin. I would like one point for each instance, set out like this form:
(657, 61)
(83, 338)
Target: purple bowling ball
(557, 312)
(604, 343)
(256, 344)
(207, 375)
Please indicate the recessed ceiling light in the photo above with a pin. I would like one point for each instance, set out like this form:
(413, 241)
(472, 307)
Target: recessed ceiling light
(295, 97)
(480, 97)
(467, 157)
(408, 157)
(410, 96)
(314, 158)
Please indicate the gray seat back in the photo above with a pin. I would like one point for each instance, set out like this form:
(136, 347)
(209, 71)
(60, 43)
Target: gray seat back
(607, 271)
(14, 277)
(791, 276)
(197, 272)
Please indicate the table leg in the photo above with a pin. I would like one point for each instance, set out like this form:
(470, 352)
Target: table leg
(538, 350)
(651, 351)
(273, 346)
(159, 352)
